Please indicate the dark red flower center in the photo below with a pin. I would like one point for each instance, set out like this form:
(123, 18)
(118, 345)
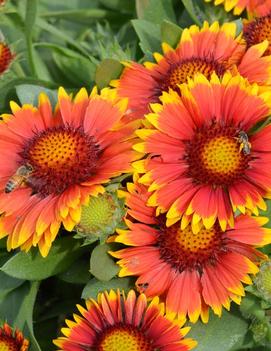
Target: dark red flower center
(60, 157)
(8, 344)
(179, 72)
(123, 338)
(5, 57)
(257, 31)
(185, 250)
(215, 156)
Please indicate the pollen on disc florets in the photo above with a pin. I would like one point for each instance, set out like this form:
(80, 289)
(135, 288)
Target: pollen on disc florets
(181, 71)
(214, 157)
(185, 250)
(100, 217)
(257, 31)
(122, 338)
(61, 157)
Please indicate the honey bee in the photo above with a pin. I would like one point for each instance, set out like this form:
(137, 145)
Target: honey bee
(245, 145)
(19, 178)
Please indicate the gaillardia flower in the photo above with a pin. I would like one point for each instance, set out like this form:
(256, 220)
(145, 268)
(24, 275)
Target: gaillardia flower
(258, 29)
(200, 50)
(192, 272)
(10, 341)
(6, 57)
(51, 163)
(116, 322)
(238, 6)
(203, 161)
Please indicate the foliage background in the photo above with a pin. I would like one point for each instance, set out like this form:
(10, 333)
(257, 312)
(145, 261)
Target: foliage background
(81, 43)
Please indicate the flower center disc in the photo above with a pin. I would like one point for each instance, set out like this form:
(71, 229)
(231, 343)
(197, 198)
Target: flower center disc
(257, 31)
(5, 57)
(214, 157)
(184, 249)
(124, 338)
(7, 344)
(179, 73)
(61, 157)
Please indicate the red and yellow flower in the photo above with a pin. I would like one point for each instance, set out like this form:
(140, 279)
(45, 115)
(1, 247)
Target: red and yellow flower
(198, 165)
(6, 57)
(119, 322)
(71, 152)
(203, 50)
(192, 272)
(12, 341)
(253, 7)
(258, 29)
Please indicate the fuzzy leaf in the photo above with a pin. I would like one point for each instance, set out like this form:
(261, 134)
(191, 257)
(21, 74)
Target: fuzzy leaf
(107, 70)
(170, 33)
(29, 94)
(155, 10)
(222, 334)
(149, 35)
(95, 286)
(102, 265)
(32, 266)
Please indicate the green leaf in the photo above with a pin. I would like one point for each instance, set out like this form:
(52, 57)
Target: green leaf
(221, 334)
(78, 69)
(32, 266)
(102, 265)
(194, 11)
(170, 33)
(30, 19)
(95, 286)
(107, 70)
(119, 5)
(8, 284)
(29, 94)
(149, 35)
(77, 273)
(17, 310)
(155, 10)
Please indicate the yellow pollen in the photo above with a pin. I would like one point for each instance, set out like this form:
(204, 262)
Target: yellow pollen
(191, 242)
(221, 155)
(8, 345)
(124, 340)
(55, 149)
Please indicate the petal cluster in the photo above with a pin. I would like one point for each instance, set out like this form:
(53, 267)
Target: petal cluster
(52, 161)
(119, 322)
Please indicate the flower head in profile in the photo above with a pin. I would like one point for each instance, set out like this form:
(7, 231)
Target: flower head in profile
(203, 160)
(119, 322)
(12, 341)
(192, 272)
(51, 162)
(205, 50)
(6, 56)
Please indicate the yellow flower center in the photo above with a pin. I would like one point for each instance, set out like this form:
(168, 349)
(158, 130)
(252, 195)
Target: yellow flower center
(7, 344)
(257, 31)
(60, 157)
(185, 250)
(214, 156)
(221, 155)
(124, 339)
(179, 72)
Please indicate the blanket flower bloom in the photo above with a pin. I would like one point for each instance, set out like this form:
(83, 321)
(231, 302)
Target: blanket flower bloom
(212, 48)
(6, 57)
(117, 322)
(52, 162)
(238, 6)
(202, 161)
(12, 341)
(192, 272)
(258, 29)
